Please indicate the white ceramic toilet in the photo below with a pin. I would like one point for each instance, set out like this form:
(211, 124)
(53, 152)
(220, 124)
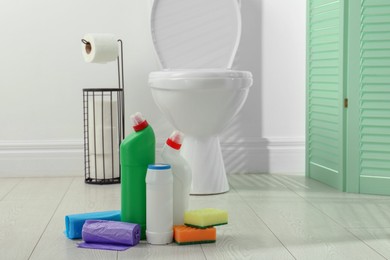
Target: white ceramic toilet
(196, 41)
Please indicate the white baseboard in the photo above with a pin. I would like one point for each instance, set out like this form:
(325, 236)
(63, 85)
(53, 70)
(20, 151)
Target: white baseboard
(260, 155)
(41, 158)
(66, 157)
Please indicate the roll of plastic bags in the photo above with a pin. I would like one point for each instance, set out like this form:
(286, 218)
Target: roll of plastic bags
(74, 223)
(110, 235)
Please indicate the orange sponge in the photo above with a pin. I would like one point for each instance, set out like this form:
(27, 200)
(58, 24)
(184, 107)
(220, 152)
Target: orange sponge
(184, 235)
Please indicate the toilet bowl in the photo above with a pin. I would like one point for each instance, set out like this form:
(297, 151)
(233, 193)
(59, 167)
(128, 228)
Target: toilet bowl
(198, 93)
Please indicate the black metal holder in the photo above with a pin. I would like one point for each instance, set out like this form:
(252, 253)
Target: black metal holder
(104, 129)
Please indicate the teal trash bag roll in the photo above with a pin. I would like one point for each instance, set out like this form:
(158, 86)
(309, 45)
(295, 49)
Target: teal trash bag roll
(74, 223)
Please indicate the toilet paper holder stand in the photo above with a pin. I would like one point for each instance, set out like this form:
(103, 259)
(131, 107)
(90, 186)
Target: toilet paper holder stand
(102, 166)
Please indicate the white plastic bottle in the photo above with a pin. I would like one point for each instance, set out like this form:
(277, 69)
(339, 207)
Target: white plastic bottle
(182, 176)
(159, 204)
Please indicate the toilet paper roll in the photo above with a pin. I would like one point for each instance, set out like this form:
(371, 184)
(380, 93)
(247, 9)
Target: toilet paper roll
(108, 110)
(100, 48)
(104, 166)
(102, 126)
(106, 141)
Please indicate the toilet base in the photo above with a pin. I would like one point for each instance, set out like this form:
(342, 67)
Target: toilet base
(205, 159)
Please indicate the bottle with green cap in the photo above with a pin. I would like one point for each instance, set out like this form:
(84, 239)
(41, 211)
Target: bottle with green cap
(137, 151)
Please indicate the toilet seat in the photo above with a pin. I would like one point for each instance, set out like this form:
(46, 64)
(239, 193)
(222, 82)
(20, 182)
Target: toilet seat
(197, 34)
(199, 74)
(199, 79)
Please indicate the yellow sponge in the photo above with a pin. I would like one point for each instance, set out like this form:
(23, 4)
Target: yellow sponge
(204, 218)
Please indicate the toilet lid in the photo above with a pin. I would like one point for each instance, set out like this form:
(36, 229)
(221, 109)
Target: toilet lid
(196, 34)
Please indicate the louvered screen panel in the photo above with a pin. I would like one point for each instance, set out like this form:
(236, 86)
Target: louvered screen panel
(375, 96)
(324, 86)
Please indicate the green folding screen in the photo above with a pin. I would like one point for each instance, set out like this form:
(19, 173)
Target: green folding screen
(348, 94)
(375, 97)
(325, 77)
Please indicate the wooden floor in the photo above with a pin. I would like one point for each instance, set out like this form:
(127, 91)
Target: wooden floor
(270, 217)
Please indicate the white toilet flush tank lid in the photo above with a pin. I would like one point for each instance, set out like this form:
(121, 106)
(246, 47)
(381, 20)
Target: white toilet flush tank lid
(196, 34)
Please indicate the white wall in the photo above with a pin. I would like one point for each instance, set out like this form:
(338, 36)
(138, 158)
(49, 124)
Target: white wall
(43, 74)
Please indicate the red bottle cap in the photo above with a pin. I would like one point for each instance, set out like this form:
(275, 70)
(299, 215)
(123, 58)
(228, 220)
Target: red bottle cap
(175, 140)
(139, 123)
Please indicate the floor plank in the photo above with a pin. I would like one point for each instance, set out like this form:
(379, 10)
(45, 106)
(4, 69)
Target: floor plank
(376, 238)
(310, 188)
(21, 225)
(80, 198)
(305, 231)
(164, 252)
(245, 237)
(7, 184)
(39, 189)
(356, 213)
(350, 210)
(270, 217)
(25, 213)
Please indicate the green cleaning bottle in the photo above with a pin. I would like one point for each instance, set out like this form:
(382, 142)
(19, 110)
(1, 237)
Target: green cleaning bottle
(137, 151)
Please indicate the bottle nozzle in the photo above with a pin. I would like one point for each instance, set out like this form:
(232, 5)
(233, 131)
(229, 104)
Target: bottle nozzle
(175, 140)
(139, 122)
(137, 118)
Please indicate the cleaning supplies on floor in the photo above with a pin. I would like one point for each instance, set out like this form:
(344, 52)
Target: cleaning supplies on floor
(109, 235)
(204, 218)
(74, 223)
(184, 235)
(137, 151)
(159, 201)
(181, 176)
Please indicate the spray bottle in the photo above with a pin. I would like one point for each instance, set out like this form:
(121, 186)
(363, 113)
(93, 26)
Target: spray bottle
(137, 151)
(182, 176)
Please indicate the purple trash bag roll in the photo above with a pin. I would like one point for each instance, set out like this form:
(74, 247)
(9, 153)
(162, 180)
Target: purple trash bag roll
(110, 235)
